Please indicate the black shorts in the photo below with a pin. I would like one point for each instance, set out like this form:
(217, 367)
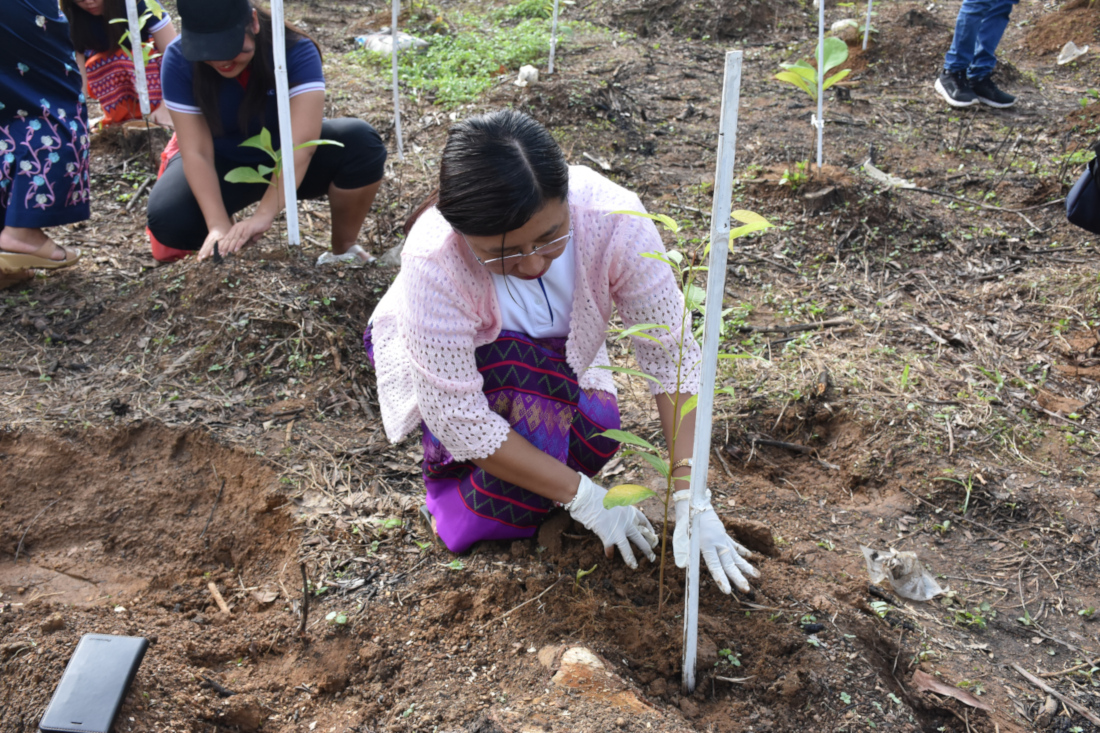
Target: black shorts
(174, 216)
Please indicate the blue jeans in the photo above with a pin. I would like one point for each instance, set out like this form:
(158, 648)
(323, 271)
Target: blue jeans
(978, 30)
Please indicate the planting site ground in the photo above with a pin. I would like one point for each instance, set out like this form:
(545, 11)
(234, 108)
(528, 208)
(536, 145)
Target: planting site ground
(925, 377)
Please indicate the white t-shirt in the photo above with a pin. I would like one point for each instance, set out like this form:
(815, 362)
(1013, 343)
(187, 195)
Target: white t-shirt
(539, 308)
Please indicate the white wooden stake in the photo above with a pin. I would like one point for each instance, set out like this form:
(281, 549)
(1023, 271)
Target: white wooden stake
(867, 26)
(819, 120)
(138, 53)
(286, 137)
(716, 285)
(396, 92)
(553, 38)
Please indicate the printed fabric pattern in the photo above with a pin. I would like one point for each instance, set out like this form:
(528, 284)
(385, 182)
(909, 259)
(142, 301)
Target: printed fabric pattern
(44, 141)
(111, 81)
(529, 384)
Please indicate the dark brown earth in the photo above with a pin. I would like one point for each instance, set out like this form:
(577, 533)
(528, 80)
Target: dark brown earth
(163, 429)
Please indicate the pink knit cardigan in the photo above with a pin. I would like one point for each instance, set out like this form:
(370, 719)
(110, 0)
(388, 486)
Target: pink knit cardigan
(442, 306)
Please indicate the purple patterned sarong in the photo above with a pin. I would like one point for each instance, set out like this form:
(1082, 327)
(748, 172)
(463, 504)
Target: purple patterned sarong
(529, 383)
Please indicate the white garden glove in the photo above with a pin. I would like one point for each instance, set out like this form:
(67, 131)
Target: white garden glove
(617, 527)
(724, 558)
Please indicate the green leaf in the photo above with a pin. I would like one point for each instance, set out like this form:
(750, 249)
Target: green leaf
(391, 523)
(666, 221)
(836, 53)
(675, 256)
(245, 175)
(803, 69)
(626, 495)
(631, 372)
(660, 464)
(261, 141)
(637, 328)
(751, 221)
(798, 81)
(694, 296)
(735, 356)
(835, 78)
(629, 439)
(688, 406)
(264, 170)
(659, 256)
(582, 573)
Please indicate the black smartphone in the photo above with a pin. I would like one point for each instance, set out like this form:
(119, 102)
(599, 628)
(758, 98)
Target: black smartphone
(95, 681)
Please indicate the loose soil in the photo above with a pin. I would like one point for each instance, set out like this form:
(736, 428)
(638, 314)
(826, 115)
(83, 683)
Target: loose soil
(926, 378)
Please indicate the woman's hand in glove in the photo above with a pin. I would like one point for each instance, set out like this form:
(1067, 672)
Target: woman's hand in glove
(617, 527)
(723, 556)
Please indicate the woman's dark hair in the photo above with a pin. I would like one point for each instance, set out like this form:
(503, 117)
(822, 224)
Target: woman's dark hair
(497, 171)
(88, 31)
(206, 82)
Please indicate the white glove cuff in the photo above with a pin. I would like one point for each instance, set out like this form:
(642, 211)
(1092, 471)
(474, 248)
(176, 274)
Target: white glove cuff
(568, 506)
(685, 495)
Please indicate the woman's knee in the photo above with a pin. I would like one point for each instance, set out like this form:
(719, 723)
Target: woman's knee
(363, 157)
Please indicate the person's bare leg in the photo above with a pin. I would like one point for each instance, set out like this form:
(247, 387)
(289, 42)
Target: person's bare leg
(27, 241)
(349, 207)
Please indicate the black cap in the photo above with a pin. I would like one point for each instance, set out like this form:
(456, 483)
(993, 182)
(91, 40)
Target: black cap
(213, 30)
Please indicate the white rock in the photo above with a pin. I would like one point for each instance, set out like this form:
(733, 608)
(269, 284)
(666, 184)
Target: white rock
(382, 42)
(527, 75)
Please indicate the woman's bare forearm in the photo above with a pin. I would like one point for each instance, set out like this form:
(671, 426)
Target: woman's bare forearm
(202, 177)
(520, 463)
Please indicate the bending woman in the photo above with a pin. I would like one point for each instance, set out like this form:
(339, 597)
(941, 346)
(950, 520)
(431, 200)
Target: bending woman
(107, 69)
(219, 85)
(492, 334)
(43, 137)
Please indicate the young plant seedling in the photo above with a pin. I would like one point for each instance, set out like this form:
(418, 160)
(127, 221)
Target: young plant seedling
(803, 74)
(580, 574)
(148, 50)
(259, 174)
(686, 274)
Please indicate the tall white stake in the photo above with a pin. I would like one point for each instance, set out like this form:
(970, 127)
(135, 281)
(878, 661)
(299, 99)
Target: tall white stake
(819, 120)
(553, 38)
(396, 93)
(139, 56)
(286, 138)
(716, 285)
(867, 26)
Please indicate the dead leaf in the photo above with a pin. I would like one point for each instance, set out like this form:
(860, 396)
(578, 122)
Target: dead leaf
(925, 682)
(265, 596)
(1055, 403)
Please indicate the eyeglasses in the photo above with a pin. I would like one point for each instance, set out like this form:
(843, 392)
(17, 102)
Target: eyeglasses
(551, 248)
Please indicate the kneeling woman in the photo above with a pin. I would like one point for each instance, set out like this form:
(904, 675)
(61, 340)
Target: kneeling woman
(492, 334)
(218, 81)
(106, 67)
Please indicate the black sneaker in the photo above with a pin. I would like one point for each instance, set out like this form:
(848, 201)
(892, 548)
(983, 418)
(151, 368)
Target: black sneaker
(955, 89)
(988, 93)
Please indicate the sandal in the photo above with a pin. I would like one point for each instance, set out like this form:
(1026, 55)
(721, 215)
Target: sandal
(12, 261)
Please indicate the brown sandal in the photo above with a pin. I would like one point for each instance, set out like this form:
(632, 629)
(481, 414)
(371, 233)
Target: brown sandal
(13, 261)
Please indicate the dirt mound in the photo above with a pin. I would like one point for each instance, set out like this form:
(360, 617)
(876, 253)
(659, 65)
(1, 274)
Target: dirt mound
(718, 19)
(1076, 21)
(114, 515)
